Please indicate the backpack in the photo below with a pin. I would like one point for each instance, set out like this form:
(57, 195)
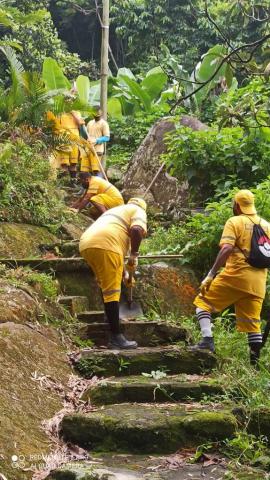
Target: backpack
(259, 256)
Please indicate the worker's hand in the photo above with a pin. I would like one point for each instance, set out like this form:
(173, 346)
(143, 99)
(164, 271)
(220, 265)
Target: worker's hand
(132, 263)
(205, 285)
(128, 279)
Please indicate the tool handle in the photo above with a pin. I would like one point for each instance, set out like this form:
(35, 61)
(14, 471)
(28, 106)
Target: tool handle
(130, 289)
(152, 257)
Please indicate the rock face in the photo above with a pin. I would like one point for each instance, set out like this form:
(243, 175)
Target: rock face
(25, 356)
(166, 288)
(167, 192)
(16, 305)
(22, 240)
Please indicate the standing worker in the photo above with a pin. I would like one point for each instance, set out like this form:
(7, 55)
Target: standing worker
(100, 193)
(239, 284)
(99, 133)
(67, 156)
(104, 245)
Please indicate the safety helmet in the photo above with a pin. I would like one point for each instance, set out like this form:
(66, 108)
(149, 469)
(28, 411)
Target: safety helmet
(139, 202)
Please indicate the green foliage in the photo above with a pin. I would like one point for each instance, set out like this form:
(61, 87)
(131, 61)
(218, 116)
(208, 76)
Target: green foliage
(42, 283)
(127, 134)
(247, 107)
(53, 75)
(28, 194)
(35, 31)
(209, 159)
(198, 238)
(245, 448)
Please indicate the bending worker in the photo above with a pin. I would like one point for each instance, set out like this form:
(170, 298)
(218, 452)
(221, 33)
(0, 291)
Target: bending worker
(99, 133)
(104, 245)
(239, 284)
(100, 193)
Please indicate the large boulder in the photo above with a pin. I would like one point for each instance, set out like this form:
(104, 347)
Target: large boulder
(167, 192)
(22, 240)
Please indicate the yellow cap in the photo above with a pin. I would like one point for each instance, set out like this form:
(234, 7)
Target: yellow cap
(245, 200)
(138, 201)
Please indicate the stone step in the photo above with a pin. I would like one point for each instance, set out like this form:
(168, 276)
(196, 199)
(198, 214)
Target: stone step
(96, 316)
(140, 428)
(144, 333)
(171, 359)
(148, 389)
(136, 467)
(74, 304)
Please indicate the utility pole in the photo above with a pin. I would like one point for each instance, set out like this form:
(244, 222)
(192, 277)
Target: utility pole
(105, 57)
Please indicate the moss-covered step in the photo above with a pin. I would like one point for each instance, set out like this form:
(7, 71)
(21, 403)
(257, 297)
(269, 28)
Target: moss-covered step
(142, 428)
(74, 304)
(172, 360)
(73, 274)
(139, 388)
(96, 316)
(144, 333)
(135, 467)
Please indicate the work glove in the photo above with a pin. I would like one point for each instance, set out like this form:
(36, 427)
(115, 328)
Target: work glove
(103, 139)
(205, 285)
(132, 263)
(128, 279)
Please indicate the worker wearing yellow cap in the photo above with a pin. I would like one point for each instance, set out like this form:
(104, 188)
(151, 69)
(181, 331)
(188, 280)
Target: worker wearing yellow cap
(100, 193)
(118, 232)
(239, 283)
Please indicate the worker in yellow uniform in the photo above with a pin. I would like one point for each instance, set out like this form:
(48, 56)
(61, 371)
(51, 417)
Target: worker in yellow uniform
(104, 245)
(239, 283)
(99, 192)
(99, 133)
(67, 156)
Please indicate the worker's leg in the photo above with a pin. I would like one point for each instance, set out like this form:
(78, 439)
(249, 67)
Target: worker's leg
(73, 162)
(248, 312)
(108, 269)
(100, 209)
(63, 160)
(218, 298)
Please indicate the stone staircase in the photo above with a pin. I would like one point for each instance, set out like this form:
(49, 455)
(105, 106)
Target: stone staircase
(156, 400)
(147, 401)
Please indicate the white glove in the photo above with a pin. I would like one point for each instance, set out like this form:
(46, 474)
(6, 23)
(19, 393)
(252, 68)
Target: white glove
(205, 285)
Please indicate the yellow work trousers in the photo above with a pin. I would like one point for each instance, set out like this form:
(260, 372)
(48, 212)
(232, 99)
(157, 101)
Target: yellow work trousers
(68, 157)
(108, 269)
(107, 200)
(89, 162)
(247, 307)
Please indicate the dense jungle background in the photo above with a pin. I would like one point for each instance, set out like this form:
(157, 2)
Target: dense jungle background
(197, 70)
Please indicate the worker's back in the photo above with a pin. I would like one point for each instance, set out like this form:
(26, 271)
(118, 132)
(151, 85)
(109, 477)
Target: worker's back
(99, 185)
(111, 231)
(237, 272)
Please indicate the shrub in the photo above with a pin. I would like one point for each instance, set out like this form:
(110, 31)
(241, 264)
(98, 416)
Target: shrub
(127, 134)
(199, 237)
(209, 158)
(27, 193)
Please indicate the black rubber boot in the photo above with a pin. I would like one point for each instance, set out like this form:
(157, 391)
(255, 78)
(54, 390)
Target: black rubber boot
(207, 343)
(255, 349)
(118, 341)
